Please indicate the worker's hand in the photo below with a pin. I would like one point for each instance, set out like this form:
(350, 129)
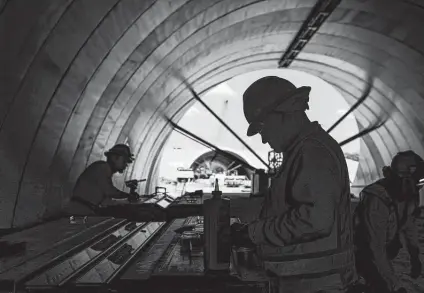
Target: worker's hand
(133, 196)
(240, 235)
(416, 268)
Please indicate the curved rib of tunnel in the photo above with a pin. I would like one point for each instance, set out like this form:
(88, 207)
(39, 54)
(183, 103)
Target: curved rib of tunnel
(212, 161)
(80, 76)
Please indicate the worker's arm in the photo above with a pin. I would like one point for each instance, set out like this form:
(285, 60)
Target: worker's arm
(316, 189)
(108, 189)
(410, 231)
(113, 192)
(376, 215)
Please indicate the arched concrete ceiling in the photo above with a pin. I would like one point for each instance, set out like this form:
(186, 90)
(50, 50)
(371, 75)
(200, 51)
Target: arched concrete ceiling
(79, 76)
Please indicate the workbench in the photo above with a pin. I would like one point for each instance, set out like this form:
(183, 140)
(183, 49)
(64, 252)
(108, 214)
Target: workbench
(167, 209)
(114, 255)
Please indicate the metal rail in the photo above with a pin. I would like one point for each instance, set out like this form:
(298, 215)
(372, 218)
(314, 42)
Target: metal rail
(318, 15)
(196, 96)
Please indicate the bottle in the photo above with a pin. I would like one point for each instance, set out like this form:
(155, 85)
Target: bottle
(217, 233)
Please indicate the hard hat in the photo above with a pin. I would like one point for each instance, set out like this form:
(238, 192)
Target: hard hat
(407, 163)
(272, 93)
(121, 150)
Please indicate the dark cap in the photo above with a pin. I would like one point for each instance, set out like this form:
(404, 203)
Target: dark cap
(271, 94)
(121, 150)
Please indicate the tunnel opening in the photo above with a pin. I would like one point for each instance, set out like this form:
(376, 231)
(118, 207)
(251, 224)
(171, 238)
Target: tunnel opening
(213, 163)
(326, 104)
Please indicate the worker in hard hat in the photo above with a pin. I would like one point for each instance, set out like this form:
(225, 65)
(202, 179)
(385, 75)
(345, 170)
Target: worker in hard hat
(386, 212)
(303, 234)
(94, 187)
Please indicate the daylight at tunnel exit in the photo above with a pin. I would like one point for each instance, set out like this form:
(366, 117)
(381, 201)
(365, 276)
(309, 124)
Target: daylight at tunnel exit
(212, 146)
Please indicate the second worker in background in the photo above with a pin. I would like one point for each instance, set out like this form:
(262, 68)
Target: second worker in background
(303, 235)
(385, 214)
(94, 187)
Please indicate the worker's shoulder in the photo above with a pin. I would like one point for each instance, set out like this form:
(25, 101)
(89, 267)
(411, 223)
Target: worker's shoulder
(98, 166)
(321, 147)
(376, 193)
(376, 188)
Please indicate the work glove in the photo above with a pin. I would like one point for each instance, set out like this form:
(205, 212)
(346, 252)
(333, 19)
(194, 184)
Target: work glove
(240, 236)
(133, 197)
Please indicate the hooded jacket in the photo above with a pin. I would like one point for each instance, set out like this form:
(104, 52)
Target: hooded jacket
(305, 229)
(380, 220)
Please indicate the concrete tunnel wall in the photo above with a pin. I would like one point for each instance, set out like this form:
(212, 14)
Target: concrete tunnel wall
(78, 76)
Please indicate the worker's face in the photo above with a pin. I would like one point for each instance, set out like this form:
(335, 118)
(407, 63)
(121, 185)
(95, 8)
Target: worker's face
(119, 163)
(278, 132)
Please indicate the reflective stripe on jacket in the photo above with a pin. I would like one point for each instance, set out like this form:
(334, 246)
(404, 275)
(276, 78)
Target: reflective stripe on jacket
(305, 226)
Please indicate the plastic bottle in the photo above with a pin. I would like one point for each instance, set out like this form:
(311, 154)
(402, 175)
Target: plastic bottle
(217, 233)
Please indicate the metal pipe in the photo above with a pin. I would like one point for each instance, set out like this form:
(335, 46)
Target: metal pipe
(362, 133)
(365, 95)
(230, 156)
(234, 168)
(181, 77)
(225, 125)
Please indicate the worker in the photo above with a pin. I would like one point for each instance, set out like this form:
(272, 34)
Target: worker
(303, 234)
(94, 187)
(386, 212)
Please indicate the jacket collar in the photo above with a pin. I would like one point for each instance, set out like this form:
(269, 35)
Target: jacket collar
(304, 133)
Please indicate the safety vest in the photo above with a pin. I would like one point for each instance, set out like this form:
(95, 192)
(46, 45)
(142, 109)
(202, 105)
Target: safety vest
(321, 257)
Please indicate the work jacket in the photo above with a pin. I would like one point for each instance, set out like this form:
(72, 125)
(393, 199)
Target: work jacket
(305, 229)
(380, 219)
(93, 188)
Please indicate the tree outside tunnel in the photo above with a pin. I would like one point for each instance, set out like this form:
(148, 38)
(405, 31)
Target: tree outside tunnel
(326, 103)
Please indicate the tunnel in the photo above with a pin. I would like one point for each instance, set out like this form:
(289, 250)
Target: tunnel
(220, 163)
(79, 76)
